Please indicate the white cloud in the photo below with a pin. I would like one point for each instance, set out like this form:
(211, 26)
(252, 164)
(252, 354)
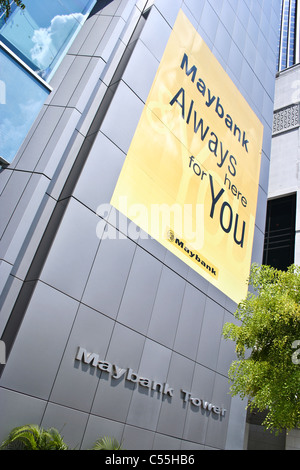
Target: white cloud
(48, 41)
(14, 129)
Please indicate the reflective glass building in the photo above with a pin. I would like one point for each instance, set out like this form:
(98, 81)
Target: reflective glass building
(32, 44)
(108, 331)
(288, 51)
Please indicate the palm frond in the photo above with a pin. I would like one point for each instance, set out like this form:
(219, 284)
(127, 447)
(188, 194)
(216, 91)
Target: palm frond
(33, 437)
(107, 443)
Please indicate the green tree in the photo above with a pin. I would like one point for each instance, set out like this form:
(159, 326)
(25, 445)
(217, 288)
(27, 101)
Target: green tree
(33, 437)
(267, 369)
(5, 6)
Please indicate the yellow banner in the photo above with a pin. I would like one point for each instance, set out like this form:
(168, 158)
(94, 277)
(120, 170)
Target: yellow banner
(192, 170)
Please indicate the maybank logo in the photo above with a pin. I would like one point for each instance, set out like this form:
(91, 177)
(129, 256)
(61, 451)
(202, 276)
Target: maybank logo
(170, 235)
(192, 254)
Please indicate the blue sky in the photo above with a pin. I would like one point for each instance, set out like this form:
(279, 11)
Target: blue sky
(40, 33)
(44, 28)
(24, 98)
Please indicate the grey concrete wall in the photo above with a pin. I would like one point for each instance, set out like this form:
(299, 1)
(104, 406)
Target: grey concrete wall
(130, 301)
(285, 155)
(284, 176)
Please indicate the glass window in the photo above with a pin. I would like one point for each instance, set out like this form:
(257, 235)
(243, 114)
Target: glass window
(286, 50)
(21, 98)
(280, 232)
(42, 33)
(32, 44)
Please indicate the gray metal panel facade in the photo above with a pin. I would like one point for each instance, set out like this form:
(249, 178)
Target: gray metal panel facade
(130, 301)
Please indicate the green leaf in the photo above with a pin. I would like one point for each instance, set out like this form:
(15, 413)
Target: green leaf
(267, 324)
(107, 443)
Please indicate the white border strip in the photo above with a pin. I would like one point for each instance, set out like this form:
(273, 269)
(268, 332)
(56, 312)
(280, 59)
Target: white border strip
(25, 66)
